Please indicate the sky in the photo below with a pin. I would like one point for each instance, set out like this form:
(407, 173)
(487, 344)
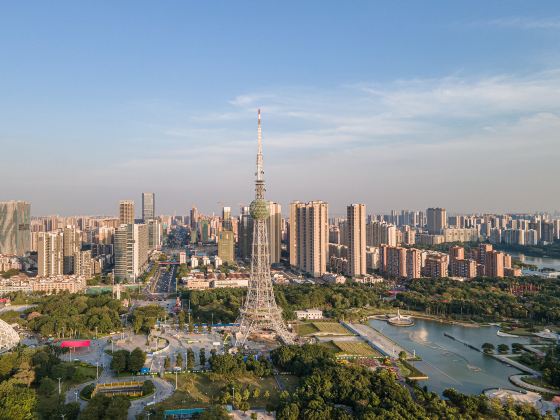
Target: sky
(395, 104)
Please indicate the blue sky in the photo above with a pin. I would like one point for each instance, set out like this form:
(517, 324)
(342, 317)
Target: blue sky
(403, 104)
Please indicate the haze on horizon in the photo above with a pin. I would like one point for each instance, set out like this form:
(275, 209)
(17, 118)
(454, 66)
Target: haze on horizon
(451, 104)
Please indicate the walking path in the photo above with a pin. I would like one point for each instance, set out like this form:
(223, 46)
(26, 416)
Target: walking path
(518, 380)
(377, 340)
(163, 389)
(523, 368)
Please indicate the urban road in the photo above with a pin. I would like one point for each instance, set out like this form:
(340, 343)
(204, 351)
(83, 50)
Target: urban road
(163, 389)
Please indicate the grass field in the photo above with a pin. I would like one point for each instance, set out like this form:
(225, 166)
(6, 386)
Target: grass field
(201, 389)
(356, 348)
(306, 328)
(326, 328)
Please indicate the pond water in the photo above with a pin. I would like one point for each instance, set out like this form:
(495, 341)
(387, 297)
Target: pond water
(449, 363)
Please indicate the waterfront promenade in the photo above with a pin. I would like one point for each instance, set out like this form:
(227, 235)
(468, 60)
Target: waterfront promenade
(377, 340)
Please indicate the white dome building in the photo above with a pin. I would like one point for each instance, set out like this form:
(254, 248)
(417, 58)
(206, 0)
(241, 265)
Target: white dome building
(9, 338)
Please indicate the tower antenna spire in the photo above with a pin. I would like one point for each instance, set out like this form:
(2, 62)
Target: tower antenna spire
(260, 168)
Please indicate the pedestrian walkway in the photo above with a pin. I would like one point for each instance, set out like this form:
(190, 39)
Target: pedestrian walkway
(377, 340)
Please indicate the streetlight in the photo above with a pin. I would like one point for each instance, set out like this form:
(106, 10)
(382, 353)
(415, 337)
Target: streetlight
(76, 394)
(97, 370)
(59, 387)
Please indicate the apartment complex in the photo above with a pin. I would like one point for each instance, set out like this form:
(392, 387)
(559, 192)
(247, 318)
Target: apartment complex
(308, 237)
(356, 224)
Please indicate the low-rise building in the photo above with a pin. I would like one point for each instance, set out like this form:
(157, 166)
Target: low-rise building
(309, 314)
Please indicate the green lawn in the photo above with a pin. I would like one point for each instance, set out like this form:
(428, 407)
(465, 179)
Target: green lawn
(306, 328)
(356, 348)
(326, 328)
(539, 382)
(201, 389)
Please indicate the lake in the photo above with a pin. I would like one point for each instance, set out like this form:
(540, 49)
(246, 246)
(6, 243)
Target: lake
(448, 363)
(539, 262)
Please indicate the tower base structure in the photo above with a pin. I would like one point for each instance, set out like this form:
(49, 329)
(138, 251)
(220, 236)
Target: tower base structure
(262, 321)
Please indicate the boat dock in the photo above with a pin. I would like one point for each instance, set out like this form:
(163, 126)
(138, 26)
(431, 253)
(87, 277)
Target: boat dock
(377, 340)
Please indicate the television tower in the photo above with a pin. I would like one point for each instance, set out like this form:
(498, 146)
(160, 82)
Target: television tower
(259, 312)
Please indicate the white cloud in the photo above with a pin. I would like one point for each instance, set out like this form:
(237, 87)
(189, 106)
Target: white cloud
(527, 23)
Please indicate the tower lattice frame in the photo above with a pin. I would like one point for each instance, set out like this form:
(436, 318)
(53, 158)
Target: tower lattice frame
(259, 312)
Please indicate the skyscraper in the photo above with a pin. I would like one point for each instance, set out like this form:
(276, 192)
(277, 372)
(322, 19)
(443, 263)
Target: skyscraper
(131, 251)
(72, 243)
(226, 243)
(356, 220)
(148, 206)
(259, 311)
(50, 254)
(245, 234)
(15, 232)
(309, 233)
(126, 212)
(194, 218)
(274, 226)
(437, 220)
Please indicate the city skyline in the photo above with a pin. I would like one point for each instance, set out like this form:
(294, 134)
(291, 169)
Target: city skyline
(456, 108)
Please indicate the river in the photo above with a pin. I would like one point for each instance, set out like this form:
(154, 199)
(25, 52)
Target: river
(544, 262)
(448, 363)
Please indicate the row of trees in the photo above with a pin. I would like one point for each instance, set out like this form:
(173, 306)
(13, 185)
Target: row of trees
(329, 390)
(190, 359)
(484, 299)
(223, 304)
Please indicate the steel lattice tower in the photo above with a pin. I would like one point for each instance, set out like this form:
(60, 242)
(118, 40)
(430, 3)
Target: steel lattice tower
(260, 312)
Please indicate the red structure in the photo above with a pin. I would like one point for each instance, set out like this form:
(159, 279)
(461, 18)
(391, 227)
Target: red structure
(75, 343)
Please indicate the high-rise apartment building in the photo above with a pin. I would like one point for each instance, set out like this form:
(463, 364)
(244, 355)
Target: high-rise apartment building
(126, 212)
(155, 234)
(274, 227)
(50, 254)
(83, 264)
(436, 265)
(131, 251)
(309, 235)
(356, 221)
(436, 220)
(15, 231)
(226, 245)
(413, 263)
(245, 234)
(148, 206)
(72, 243)
(194, 218)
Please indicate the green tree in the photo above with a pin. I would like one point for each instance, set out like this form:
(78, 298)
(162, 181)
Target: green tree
(402, 355)
(136, 360)
(47, 387)
(256, 393)
(516, 347)
(202, 356)
(488, 348)
(179, 360)
(190, 358)
(503, 348)
(167, 363)
(148, 387)
(120, 361)
(16, 401)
